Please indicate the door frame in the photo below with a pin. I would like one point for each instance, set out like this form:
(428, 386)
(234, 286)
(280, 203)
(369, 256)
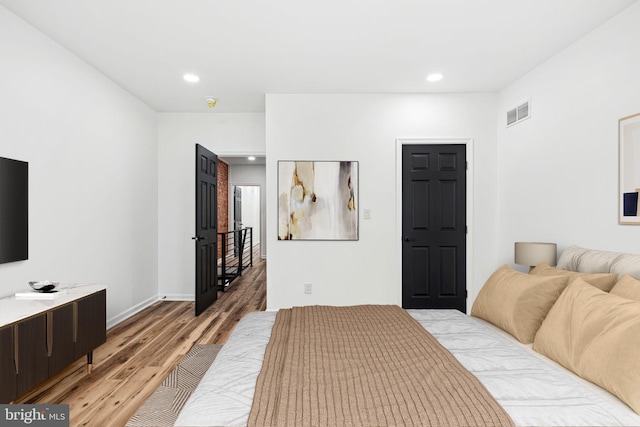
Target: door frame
(468, 142)
(263, 194)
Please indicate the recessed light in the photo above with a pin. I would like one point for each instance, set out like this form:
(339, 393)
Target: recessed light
(251, 158)
(434, 77)
(191, 78)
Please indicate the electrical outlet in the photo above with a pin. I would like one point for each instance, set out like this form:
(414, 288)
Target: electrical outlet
(307, 288)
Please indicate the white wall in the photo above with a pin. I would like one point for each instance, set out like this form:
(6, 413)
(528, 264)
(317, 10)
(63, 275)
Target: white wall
(91, 149)
(558, 171)
(178, 134)
(365, 128)
(252, 175)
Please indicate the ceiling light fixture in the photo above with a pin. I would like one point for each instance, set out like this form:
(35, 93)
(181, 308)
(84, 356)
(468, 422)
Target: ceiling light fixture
(191, 78)
(211, 101)
(434, 77)
(251, 158)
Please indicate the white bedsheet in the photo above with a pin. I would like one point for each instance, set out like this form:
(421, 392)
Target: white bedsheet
(532, 389)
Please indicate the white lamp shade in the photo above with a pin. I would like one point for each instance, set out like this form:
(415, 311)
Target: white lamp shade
(533, 253)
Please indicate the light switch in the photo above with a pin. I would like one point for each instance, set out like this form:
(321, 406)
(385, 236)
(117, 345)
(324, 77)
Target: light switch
(366, 213)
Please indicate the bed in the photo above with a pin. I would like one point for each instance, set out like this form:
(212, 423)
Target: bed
(533, 389)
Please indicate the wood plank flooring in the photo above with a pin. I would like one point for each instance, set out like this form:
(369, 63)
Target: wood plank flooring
(141, 351)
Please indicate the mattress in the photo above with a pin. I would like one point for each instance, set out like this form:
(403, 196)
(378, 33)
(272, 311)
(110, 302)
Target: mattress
(533, 390)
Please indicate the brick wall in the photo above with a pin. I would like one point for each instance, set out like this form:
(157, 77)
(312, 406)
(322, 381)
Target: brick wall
(223, 200)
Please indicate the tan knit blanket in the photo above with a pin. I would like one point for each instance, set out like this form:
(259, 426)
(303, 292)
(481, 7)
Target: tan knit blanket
(364, 366)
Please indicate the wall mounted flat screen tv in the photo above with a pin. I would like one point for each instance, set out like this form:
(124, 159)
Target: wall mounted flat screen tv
(14, 210)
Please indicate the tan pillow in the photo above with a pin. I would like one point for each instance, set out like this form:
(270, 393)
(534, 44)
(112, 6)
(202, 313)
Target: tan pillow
(603, 281)
(517, 302)
(627, 287)
(597, 336)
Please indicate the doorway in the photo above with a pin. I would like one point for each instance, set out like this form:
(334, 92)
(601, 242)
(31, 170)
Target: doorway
(246, 209)
(433, 216)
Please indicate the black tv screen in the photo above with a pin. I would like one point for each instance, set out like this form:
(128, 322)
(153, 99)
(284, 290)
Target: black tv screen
(14, 210)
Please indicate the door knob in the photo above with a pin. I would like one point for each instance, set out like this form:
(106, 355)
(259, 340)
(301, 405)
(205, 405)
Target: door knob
(407, 238)
(197, 238)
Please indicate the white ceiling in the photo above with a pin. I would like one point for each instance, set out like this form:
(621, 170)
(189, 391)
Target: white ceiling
(244, 161)
(242, 49)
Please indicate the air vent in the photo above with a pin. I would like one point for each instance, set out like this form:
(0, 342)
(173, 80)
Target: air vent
(519, 113)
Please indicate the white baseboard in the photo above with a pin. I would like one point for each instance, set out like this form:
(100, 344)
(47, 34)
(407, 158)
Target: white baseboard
(178, 297)
(144, 304)
(130, 312)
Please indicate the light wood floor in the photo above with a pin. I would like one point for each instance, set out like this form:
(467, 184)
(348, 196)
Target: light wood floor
(141, 351)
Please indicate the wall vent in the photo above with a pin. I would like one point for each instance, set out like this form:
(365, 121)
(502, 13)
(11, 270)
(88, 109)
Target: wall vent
(519, 113)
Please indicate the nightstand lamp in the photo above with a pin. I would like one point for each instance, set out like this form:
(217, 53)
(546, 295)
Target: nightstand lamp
(532, 253)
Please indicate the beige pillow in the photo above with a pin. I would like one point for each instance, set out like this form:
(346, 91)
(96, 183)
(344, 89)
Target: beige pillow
(603, 281)
(517, 302)
(627, 287)
(597, 336)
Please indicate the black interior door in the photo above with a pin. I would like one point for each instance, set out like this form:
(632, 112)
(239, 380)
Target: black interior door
(237, 208)
(206, 228)
(237, 219)
(434, 226)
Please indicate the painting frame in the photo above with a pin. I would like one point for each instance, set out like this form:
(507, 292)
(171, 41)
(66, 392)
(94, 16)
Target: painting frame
(629, 170)
(318, 200)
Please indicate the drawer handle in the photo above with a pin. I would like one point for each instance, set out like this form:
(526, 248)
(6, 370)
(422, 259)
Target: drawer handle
(15, 348)
(49, 334)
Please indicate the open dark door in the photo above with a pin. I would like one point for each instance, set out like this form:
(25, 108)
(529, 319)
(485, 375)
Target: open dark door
(434, 226)
(237, 208)
(206, 228)
(237, 219)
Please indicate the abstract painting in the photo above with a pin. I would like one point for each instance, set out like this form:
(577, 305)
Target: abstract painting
(317, 200)
(629, 150)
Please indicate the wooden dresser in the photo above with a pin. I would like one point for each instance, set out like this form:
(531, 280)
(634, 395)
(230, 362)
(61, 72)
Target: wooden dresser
(39, 338)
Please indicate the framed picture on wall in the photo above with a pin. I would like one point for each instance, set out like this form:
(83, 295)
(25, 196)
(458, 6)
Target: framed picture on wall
(629, 152)
(317, 200)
